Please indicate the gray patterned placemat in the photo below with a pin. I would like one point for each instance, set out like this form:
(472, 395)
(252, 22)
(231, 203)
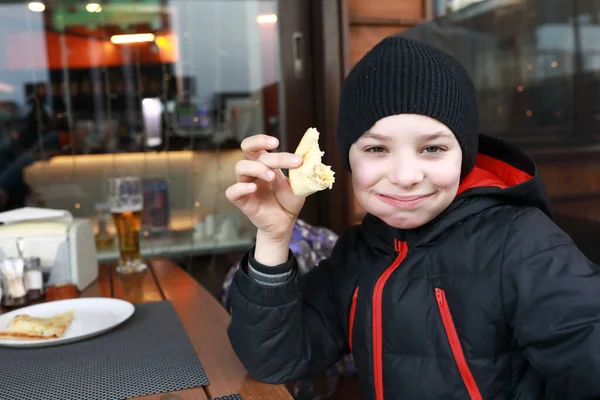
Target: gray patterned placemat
(229, 397)
(149, 353)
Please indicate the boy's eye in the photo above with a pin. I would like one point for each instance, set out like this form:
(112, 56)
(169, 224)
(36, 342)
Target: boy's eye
(432, 150)
(376, 149)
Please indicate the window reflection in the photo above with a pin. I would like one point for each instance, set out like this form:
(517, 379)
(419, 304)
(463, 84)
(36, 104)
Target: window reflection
(160, 89)
(534, 64)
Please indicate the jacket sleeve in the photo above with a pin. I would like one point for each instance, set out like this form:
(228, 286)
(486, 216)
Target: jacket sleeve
(551, 296)
(289, 331)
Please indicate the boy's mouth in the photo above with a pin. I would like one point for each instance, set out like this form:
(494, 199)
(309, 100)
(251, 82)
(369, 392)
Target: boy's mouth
(404, 201)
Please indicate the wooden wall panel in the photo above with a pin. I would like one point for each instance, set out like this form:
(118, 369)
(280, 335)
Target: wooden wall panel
(363, 38)
(386, 9)
(571, 179)
(579, 209)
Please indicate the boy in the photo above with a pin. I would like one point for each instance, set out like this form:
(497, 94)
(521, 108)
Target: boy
(456, 285)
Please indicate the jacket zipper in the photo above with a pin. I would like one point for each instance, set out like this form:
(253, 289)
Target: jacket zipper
(377, 319)
(352, 312)
(457, 351)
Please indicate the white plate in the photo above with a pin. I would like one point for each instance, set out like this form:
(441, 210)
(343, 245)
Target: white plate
(92, 317)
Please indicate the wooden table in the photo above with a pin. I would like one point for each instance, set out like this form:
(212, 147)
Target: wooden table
(204, 320)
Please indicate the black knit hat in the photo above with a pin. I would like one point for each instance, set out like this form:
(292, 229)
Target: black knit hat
(403, 76)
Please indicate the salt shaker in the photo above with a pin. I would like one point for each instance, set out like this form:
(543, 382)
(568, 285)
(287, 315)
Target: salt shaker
(34, 282)
(15, 294)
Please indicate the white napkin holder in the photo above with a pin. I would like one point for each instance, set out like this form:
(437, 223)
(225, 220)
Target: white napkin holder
(66, 246)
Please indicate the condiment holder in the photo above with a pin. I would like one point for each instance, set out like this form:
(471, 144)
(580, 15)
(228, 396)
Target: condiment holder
(22, 279)
(13, 274)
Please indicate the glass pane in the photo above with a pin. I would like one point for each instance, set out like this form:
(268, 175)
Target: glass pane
(534, 64)
(163, 90)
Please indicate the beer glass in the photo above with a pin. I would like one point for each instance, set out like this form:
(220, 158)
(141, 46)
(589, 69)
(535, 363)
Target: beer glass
(126, 200)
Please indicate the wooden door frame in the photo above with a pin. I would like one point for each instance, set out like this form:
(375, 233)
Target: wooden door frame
(297, 91)
(327, 62)
(331, 64)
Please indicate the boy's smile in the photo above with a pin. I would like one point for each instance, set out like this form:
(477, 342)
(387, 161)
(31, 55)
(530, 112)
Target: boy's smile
(406, 169)
(407, 202)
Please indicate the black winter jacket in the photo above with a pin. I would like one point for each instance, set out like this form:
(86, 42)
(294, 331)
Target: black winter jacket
(490, 300)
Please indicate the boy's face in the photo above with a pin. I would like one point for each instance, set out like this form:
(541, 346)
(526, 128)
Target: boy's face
(406, 169)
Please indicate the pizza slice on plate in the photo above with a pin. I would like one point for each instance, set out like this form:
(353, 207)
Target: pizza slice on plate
(27, 327)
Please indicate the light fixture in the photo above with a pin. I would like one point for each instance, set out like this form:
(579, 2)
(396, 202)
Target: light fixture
(6, 88)
(529, 113)
(132, 38)
(153, 142)
(266, 19)
(93, 7)
(36, 6)
(553, 64)
(520, 88)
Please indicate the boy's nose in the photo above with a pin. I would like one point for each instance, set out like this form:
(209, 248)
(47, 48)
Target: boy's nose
(406, 173)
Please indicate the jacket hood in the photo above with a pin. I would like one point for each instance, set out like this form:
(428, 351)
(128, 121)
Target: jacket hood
(503, 175)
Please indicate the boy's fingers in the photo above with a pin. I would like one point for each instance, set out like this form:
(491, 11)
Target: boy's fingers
(236, 192)
(280, 160)
(247, 171)
(257, 145)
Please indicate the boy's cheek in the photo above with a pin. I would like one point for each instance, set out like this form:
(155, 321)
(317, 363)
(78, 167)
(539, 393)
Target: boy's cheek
(363, 177)
(446, 179)
(445, 174)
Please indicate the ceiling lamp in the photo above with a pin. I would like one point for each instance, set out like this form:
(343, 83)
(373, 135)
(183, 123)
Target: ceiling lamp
(36, 6)
(132, 38)
(266, 19)
(93, 7)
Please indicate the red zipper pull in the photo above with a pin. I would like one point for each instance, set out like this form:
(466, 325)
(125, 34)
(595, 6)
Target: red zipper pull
(355, 295)
(439, 296)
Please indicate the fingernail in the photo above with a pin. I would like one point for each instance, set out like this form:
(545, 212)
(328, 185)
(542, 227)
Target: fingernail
(296, 159)
(273, 141)
(252, 187)
(270, 174)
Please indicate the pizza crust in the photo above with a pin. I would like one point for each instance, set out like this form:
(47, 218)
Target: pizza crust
(25, 336)
(312, 176)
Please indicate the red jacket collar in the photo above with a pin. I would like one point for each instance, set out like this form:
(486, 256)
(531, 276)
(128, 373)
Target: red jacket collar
(489, 171)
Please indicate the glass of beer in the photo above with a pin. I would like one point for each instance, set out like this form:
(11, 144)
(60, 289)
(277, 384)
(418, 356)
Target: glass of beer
(126, 200)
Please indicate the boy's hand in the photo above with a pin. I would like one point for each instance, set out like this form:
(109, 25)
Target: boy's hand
(262, 191)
